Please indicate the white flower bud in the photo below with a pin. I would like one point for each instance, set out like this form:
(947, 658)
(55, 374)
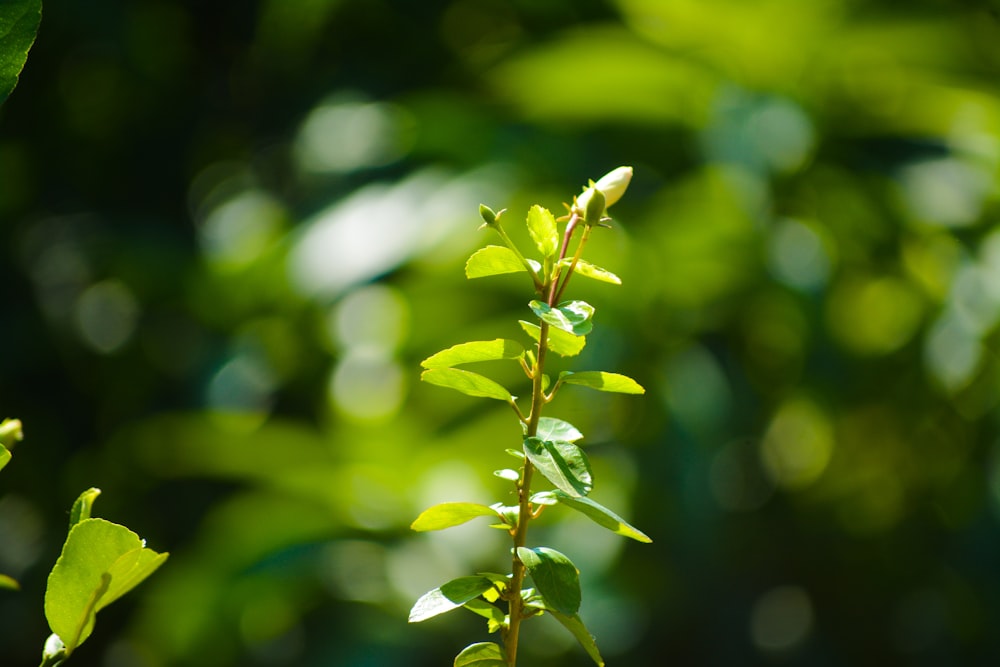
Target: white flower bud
(612, 185)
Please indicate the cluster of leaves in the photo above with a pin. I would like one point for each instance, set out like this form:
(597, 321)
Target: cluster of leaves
(549, 445)
(100, 562)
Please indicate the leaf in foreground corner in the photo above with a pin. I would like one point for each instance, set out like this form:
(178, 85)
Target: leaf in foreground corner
(446, 515)
(482, 654)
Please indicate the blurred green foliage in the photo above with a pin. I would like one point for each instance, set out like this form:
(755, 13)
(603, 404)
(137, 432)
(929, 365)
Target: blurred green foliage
(232, 230)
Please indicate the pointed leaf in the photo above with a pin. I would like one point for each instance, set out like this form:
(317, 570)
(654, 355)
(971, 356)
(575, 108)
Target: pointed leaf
(601, 515)
(494, 260)
(466, 382)
(555, 577)
(82, 506)
(550, 428)
(562, 343)
(542, 227)
(562, 463)
(603, 381)
(574, 624)
(9, 582)
(19, 21)
(467, 353)
(446, 515)
(446, 597)
(570, 316)
(483, 654)
(588, 270)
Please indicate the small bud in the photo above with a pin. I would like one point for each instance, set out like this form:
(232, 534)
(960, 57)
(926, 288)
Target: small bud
(613, 185)
(595, 206)
(487, 214)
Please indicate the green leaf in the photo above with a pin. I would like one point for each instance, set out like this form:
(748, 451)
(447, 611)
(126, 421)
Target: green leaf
(11, 433)
(4, 456)
(508, 474)
(562, 463)
(550, 428)
(100, 562)
(555, 577)
(446, 597)
(446, 515)
(570, 316)
(602, 516)
(19, 21)
(494, 615)
(542, 227)
(466, 382)
(585, 268)
(494, 260)
(574, 624)
(9, 582)
(562, 343)
(467, 353)
(82, 507)
(482, 654)
(603, 381)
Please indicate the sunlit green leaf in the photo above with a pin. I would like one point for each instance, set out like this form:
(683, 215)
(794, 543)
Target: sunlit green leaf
(446, 515)
(603, 381)
(482, 654)
(585, 268)
(100, 562)
(82, 506)
(19, 21)
(542, 226)
(562, 343)
(570, 316)
(550, 428)
(11, 433)
(494, 615)
(562, 463)
(601, 515)
(4, 456)
(8, 582)
(466, 382)
(574, 624)
(446, 597)
(467, 353)
(494, 260)
(555, 577)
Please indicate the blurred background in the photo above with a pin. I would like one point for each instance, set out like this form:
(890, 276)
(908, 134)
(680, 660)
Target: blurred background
(231, 230)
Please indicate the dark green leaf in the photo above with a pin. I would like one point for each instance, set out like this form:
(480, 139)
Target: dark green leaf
(82, 507)
(542, 227)
(570, 316)
(467, 353)
(602, 516)
(494, 260)
(446, 597)
(574, 624)
(446, 515)
(550, 428)
(562, 463)
(466, 382)
(588, 270)
(555, 577)
(483, 654)
(562, 343)
(19, 21)
(602, 381)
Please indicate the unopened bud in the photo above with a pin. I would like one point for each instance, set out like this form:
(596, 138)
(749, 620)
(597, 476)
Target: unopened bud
(612, 185)
(487, 214)
(596, 204)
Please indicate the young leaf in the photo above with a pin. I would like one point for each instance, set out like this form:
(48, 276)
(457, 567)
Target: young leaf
(82, 506)
(555, 577)
(570, 316)
(100, 562)
(466, 382)
(603, 381)
(19, 21)
(446, 597)
(8, 582)
(482, 654)
(574, 624)
(467, 353)
(508, 474)
(562, 343)
(585, 268)
(494, 260)
(4, 456)
(601, 515)
(446, 515)
(562, 463)
(542, 227)
(550, 428)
